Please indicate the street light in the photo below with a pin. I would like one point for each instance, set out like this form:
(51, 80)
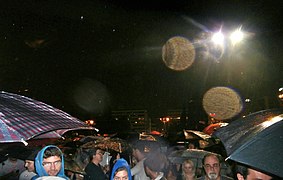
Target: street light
(280, 95)
(218, 38)
(90, 122)
(236, 37)
(216, 44)
(165, 120)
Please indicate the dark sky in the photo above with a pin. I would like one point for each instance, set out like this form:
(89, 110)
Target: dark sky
(92, 56)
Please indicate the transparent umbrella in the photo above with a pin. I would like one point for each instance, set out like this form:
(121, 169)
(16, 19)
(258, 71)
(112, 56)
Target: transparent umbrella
(196, 155)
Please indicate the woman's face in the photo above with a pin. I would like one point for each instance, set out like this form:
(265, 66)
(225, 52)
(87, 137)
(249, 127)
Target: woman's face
(188, 168)
(121, 175)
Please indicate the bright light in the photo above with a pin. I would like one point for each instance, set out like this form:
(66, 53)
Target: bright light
(237, 36)
(280, 95)
(272, 121)
(218, 38)
(90, 122)
(247, 100)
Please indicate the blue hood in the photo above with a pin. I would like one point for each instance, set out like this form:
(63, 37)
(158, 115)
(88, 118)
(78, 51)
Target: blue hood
(38, 164)
(121, 163)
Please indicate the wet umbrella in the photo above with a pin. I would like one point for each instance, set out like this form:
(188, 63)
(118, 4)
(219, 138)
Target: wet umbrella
(115, 144)
(204, 140)
(22, 118)
(196, 155)
(72, 166)
(256, 140)
(87, 139)
(196, 135)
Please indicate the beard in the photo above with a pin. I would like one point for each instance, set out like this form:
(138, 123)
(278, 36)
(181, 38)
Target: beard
(212, 176)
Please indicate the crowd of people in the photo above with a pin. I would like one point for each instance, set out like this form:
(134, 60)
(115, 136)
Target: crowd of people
(150, 164)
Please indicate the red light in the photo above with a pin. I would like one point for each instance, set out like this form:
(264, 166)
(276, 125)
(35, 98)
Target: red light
(212, 114)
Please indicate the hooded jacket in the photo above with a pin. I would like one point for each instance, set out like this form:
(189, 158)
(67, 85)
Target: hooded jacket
(121, 163)
(39, 168)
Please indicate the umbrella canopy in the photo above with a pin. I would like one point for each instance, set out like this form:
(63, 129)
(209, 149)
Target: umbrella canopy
(22, 118)
(204, 140)
(256, 140)
(72, 166)
(196, 155)
(115, 144)
(52, 134)
(198, 135)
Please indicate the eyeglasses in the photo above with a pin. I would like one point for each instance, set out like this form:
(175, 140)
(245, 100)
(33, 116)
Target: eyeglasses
(49, 164)
(101, 153)
(208, 166)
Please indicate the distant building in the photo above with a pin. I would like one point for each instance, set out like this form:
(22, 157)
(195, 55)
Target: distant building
(138, 119)
(175, 114)
(180, 119)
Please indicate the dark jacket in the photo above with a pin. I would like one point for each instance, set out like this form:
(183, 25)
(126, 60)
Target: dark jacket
(94, 172)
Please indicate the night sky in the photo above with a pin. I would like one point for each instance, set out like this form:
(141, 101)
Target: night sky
(89, 57)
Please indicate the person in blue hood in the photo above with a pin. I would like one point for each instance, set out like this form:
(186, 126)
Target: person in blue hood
(121, 170)
(50, 162)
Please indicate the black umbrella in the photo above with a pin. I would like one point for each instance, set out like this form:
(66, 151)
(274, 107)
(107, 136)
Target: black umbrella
(256, 140)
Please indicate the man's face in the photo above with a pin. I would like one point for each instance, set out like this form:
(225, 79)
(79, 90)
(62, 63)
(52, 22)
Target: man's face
(52, 165)
(256, 175)
(135, 153)
(212, 167)
(29, 165)
(98, 155)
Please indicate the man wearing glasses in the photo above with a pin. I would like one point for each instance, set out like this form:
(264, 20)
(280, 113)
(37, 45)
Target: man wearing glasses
(94, 170)
(211, 165)
(50, 162)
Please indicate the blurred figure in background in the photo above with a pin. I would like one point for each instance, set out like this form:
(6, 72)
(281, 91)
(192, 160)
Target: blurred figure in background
(139, 153)
(247, 173)
(155, 166)
(193, 145)
(12, 167)
(29, 165)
